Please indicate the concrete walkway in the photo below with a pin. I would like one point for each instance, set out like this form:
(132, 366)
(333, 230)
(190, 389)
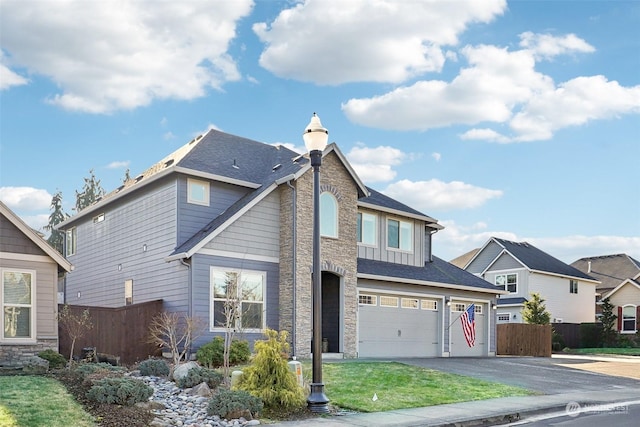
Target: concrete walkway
(493, 411)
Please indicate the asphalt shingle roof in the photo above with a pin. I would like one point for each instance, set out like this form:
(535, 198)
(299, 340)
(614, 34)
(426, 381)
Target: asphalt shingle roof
(535, 259)
(438, 271)
(611, 270)
(378, 199)
(506, 301)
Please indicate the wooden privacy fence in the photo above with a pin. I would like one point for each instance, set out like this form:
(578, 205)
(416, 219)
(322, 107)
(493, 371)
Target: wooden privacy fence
(522, 339)
(121, 332)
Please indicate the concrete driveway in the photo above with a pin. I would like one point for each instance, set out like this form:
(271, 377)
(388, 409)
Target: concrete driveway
(553, 375)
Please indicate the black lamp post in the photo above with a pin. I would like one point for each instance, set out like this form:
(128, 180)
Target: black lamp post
(315, 139)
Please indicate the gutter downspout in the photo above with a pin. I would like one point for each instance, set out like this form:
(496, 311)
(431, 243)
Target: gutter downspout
(293, 266)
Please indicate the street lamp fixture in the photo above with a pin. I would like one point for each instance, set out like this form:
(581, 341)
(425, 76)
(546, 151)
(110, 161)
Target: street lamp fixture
(315, 139)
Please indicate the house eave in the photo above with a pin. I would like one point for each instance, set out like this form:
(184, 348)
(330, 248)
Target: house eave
(429, 283)
(431, 222)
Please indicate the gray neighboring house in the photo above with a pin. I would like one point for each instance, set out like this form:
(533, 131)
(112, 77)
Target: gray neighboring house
(225, 209)
(521, 269)
(29, 268)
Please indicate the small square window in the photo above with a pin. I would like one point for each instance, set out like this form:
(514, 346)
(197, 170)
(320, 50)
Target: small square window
(410, 303)
(477, 308)
(98, 218)
(197, 192)
(367, 299)
(429, 304)
(458, 307)
(504, 317)
(388, 301)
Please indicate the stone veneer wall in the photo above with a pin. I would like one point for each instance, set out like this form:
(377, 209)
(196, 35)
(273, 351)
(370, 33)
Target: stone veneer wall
(14, 355)
(337, 255)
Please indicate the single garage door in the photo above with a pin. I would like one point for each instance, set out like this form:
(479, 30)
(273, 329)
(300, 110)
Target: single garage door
(398, 326)
(459, 346)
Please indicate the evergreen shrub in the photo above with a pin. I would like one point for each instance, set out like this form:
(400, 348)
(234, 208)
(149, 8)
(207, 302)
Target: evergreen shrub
(56, 360)
(119, 391)
(227, 401)
(211, 354)
(154, 367)
(199, 375)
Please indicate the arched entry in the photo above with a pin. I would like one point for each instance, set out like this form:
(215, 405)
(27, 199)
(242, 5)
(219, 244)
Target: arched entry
(331, 311)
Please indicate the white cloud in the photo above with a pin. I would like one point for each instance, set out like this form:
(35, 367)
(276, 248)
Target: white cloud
(37, 222)
(8, 78)
(375, 164)
(107, 56)
(485, 135)
(25, 198)
(436, 195)
(365, 40)
(168, 135)
(118, 164)
(436, 156)
(548, 46)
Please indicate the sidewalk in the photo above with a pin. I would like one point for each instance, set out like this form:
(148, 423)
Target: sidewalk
(476, 413)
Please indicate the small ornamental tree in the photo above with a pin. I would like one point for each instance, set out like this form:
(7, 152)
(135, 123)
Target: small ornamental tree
(175, 332)
(535, 312)
(608, 320)
(74, 325)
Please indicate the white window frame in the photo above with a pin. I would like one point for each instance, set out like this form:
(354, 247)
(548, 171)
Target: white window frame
(32, 307)
(500, 317)
(98, 218)
(367, 239)
(506, 284)
(623, 330)
(410, 303)
(367, 299)
(429, 304)
(386, 301)
(191, 194)
(573, 286)
(213, 300)
(128, 292)
(477, 308)
(458, 307)
(71, 241)
(328, 215)
(404, 244)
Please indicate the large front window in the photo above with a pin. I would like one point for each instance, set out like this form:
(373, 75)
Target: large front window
(238, 300)
(399, 234)
(629, 318)
(366, 229)
(328, 215)
(17, 304)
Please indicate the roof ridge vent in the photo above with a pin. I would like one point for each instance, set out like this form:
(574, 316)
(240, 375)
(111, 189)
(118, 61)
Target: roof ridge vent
(235, 165)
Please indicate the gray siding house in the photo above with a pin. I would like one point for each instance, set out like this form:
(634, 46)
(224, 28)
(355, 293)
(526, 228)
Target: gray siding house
(29, 268)
(224, 209)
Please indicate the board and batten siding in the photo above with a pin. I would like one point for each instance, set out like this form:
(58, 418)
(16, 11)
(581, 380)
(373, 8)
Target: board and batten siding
(256, 233)
(380, 252)
(201, 295)
(192, 217)
(571, 308)
(113, 251)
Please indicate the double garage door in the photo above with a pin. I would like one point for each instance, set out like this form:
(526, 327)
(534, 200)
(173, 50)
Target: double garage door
(399, 326)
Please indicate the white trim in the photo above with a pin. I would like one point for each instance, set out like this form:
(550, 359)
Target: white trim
(336, 222)
(27, 257)
(402, 293)
(429, 283)
(617, 288)
(206, 192)
(33, 307)
(431, 222)
(238, 255)
(502, 252)
(215, 177)
(411, 234)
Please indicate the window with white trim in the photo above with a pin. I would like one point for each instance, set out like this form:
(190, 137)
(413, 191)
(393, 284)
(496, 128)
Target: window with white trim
(365, 299)
(477, 308)
(366, 228)
(458, 307)
(17, 302)
(71, 241)
(573, 286)
(98, 218)
(328, 215)
(504, 317)
(629, 318)
(238, 299)
(386, 301)
(197, 192)
(399, 235)
(429, 304)
(409, 303)
(507, 281)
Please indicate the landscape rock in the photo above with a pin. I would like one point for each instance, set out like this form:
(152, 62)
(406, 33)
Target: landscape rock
(182, 370)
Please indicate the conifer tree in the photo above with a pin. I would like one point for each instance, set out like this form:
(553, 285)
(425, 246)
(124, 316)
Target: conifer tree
(535, 311)
(56, 239)
(608, 320)
(91, 192)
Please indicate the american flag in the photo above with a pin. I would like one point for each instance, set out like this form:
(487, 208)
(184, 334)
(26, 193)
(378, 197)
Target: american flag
(468, 320)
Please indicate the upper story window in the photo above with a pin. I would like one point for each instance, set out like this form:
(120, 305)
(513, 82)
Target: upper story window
(573, 286)
(508, 281)
(238, 299)
(629, 318)
(328, 215)
(399, 234)
(366, 228)
(16, 299)
(198, 192)
(71, 241)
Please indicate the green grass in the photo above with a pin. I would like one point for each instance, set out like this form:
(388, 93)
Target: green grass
(351, 385)
(607, 350)
(33, 401)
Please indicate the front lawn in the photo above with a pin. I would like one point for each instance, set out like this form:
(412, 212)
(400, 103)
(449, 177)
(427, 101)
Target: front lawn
(353, 385)
(35, 401)
(607, 350)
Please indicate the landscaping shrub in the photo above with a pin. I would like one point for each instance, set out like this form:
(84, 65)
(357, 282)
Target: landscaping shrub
(269, 378)
(120, 391)
(91, 368)
(590, 335)
(56, 360)
(227, 402)
(211, 354)
(155, 367)
(199, 375)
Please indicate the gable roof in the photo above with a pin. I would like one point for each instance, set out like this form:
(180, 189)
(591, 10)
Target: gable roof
(464, 259)
(436, 273)
(35, 237)
(610, 270)
(536, 260)
(625, 282)
(379, 201)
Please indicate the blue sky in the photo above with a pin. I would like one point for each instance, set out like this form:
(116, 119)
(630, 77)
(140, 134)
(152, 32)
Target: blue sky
(512, 119)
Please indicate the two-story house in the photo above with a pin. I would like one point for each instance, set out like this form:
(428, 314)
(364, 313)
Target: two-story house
(619, 277)
(522, 269)
(227, 210)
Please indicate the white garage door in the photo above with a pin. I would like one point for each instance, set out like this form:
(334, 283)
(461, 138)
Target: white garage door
(458, 345)
(398, 326)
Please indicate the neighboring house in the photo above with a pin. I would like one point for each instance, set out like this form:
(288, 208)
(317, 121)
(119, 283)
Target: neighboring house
(225, 212)
(521, 269)
(29, 268)
(619, 277)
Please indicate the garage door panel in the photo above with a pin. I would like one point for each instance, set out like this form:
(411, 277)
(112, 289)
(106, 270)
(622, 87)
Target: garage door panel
(458, 346)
